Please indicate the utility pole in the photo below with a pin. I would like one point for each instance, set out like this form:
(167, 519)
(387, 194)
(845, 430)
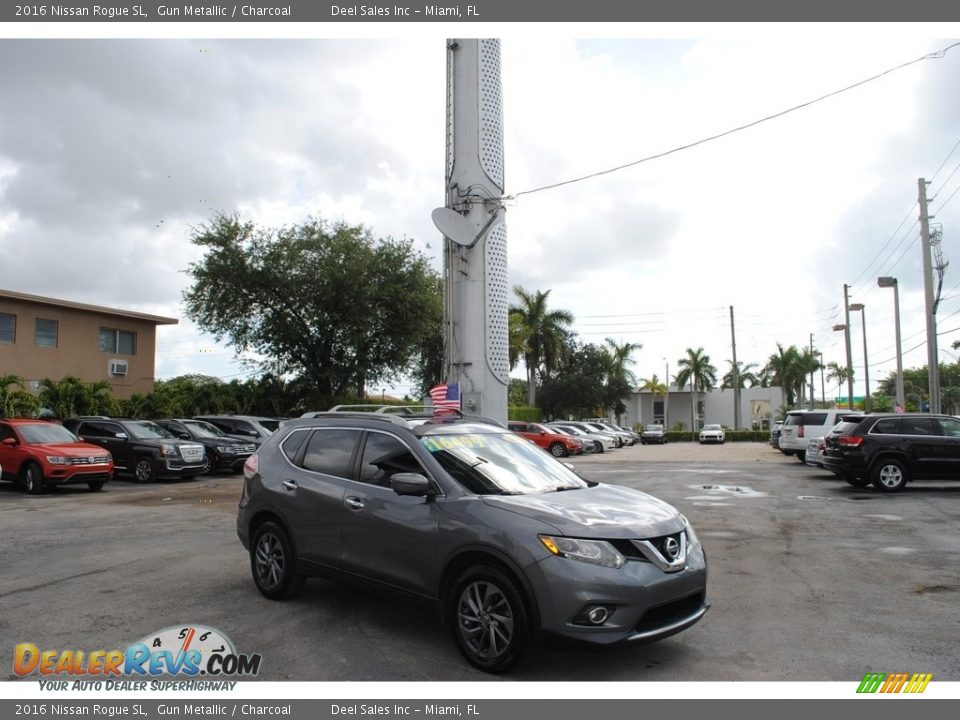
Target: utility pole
(736, 374)
(933, 364)
(813, 400)
(846, 336)
(475, 239)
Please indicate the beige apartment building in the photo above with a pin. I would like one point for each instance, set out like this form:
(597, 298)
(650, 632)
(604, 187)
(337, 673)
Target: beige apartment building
(42, 337)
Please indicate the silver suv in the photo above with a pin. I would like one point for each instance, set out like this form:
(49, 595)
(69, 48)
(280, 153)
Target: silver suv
(502, 538)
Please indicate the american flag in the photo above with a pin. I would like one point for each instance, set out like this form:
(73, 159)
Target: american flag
(445, 397)
(899, 409)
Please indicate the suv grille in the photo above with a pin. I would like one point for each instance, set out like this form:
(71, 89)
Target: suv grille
(92, 460)
(669, 613)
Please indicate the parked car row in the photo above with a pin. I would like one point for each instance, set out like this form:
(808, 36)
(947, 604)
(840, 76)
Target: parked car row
(886, 450)
(92, 449)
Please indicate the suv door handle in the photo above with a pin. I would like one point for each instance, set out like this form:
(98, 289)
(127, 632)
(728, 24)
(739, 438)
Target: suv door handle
(354, 503)
(290, 484)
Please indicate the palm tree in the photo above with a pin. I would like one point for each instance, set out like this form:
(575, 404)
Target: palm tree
(15, 401)
(544, 334)
(839, 373)
(653, 386)
(71, 396)
(745, 375)
(696, 370)
(788, 369)
(516, 338)
(620, 380)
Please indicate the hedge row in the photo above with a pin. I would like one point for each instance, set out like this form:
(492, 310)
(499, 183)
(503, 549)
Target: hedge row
(524, 414)
(732, 436)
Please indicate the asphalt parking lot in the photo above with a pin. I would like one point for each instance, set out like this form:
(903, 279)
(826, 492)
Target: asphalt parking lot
(810, 580)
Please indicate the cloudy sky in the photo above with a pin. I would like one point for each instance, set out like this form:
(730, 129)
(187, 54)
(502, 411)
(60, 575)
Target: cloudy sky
(111, 150)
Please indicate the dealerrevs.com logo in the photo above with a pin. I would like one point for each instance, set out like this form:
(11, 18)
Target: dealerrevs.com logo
(181, 650)
(889, 683)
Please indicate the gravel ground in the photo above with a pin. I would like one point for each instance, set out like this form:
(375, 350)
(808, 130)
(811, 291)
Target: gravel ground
(691, 452)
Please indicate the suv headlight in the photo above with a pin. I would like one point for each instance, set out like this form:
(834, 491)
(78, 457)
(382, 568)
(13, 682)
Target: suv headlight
(595, 552)
(57, 460)
(692, 539)
(227, 449)
(169, 450)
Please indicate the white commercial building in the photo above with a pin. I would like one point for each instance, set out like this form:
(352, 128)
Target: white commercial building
(758, 407)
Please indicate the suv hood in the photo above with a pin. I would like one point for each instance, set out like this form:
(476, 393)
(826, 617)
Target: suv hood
(603, 511)
(71, 449)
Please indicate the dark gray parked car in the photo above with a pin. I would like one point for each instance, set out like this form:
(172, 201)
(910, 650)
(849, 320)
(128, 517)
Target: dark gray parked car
(504, 539)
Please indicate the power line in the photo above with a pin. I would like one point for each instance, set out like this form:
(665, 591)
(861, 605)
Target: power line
(929, 56)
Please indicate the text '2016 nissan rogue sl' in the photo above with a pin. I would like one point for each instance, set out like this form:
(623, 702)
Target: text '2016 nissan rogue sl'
(504, 539)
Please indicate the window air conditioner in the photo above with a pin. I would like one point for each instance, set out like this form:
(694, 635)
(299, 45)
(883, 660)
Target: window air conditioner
(118, 367)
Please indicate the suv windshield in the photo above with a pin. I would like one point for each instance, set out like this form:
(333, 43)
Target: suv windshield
(654, 428)
(500, 464)
(144, 430)
(271, 426)
(711, 427)
(38, 434)
(204, 429)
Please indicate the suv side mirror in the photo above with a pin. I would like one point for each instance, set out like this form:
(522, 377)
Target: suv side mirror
(10, 442)
(121, 436)
(411, 484)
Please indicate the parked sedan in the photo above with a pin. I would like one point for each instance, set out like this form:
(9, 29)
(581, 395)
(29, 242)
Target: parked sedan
(503, 540)
(601, 441)
(37, 454)
(712, 434)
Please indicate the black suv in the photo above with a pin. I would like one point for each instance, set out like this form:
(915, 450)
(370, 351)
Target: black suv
(892, 450)
(140, 447)
(244, 427)
(222, 451)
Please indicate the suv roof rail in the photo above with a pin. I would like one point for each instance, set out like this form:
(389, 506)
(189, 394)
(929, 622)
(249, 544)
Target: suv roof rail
(416, 410)
(395, 419)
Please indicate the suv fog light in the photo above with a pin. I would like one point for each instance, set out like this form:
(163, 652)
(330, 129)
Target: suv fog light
(594, 615)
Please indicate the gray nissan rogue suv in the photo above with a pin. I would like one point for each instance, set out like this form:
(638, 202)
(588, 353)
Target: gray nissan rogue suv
(504, 539)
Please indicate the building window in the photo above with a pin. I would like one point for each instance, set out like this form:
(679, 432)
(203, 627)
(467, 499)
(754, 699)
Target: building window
(46, 335)
(8, 328)
(118, 342)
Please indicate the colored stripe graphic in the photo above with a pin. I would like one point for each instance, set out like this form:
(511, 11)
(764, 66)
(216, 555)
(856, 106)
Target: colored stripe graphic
(894, 682)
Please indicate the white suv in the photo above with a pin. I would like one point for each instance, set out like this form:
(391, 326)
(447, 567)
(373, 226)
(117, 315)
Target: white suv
(801, 426)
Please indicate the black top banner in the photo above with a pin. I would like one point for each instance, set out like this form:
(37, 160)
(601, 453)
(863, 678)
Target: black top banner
(499, 11)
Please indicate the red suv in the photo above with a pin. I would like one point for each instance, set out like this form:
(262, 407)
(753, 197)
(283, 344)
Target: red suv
(556, 444)
(36, 453)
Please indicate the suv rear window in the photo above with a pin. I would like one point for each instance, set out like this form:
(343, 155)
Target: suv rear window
(813, 418)
(845, 427)
(887, 426)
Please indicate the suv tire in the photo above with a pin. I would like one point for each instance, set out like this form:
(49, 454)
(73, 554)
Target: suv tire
(145, 469)
(854, 481)
(558, 450)
(95, 485)
(889, 475)
(489, 618)
(273, 564)
(33, 478)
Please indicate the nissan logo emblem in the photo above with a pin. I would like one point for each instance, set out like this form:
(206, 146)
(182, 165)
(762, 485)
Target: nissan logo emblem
(671, 547)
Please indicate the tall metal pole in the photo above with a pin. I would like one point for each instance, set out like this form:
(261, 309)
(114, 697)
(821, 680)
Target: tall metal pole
(813, 400)
(666, 398)
(846, 337)
(866, 363)
(823, 388)
(736, 374)
(901, 396)
(933, 364)
(475, 240)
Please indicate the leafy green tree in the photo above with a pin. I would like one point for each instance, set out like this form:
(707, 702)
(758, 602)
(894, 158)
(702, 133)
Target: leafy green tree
(15, 400)
(543, 332)
(653, 386)
(577, 387)
(323, 301)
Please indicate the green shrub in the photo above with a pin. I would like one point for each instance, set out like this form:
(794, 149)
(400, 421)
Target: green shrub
(524, 413)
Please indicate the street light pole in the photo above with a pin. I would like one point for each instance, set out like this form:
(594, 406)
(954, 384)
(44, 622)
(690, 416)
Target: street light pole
(846, 337)
(823, 388)
(866, 366)
(666, 398)
(887, 281)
